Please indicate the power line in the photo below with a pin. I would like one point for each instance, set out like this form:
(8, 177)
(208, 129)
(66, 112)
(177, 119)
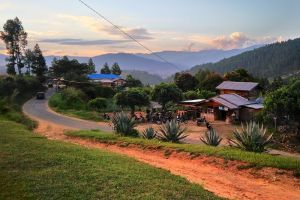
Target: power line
(128, 35)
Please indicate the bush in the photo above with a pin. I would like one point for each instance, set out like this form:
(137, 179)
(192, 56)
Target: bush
(172, 132)
(191, 95)
(124, 125)
(73, 98)
(251, 138)
(97, 104)
(149, 133)
(211, 138)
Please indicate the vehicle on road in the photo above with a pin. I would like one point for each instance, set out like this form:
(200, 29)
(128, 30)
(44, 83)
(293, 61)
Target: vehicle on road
(40, 95)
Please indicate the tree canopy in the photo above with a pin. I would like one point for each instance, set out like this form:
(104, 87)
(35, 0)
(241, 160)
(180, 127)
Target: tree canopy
(166, 92)
(39, 67)
(115, 69)
(105, 69)
(185, 81)
(132, 82)
(91, 66)
(15, 38)
(131, 98)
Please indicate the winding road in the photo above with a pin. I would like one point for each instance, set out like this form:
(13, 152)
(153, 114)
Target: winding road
(38, 109)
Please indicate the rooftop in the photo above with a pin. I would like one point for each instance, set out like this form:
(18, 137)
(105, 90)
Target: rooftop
(103, 76)
(239, 86)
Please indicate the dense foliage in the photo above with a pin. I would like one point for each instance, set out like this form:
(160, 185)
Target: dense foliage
(164, 93)
(97, 104)
(132, 82)
(132, 97)
(185, 81)
(272, 60)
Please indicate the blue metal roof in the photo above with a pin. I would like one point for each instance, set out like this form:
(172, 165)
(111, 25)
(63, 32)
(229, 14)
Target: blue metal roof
(103, 76)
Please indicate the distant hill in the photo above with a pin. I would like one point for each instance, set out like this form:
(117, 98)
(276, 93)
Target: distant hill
(272, 60)
(187, 59)
(145, 77)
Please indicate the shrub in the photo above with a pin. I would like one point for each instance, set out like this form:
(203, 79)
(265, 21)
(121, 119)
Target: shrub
(72, 98)
(97, 104)
(124, 125)
(149, 133)
(211, 138)
(251, 138)
(172, 132)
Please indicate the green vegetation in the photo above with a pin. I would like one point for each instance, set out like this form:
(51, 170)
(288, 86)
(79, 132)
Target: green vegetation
(149, 133)
(211, 138)
(124, 125)
(14, 91)
(171, 131)
(253, 137)
(145, 77)
(164, 93)
(131, 98)
(259, 159)
(272, 60)
(32, 167)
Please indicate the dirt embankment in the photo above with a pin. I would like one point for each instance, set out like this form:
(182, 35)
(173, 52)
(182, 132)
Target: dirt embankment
(222, 177)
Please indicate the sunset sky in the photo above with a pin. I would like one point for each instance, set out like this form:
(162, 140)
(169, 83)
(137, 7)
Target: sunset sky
(66, 27)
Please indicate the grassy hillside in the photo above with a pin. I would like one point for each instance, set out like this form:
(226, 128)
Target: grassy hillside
(269, 61)
(32, 167)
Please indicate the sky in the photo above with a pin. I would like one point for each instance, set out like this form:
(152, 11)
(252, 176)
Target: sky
(67, 27)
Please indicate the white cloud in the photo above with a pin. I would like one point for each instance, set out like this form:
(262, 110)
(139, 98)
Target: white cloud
(5, 5)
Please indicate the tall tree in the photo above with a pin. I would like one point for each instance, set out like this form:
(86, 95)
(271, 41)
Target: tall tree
(28, 60)
(91, 66)
(164, 93)
(132, 82)
(105, 69)
(115, 69)
(185, 81)
(39, 67)
(132, 98)
(240, 75)
(15, 38)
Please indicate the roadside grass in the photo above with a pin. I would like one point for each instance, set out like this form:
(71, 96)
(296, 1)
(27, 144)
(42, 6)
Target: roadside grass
(228, 153)
(32, 167)
(81, 114)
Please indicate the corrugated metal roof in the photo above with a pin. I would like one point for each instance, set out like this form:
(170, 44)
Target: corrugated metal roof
(232, 101)
(193, 101)
(103, 76)
(256, 106)
(240, 86)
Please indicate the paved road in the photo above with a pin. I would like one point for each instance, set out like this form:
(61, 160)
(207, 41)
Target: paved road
(39, 109)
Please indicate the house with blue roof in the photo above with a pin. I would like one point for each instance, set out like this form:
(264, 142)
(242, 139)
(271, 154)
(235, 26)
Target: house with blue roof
(108, 80)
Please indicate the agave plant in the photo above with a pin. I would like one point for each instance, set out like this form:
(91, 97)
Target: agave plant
(124, 125)
(211, 138)
(172, 132)
(149, 133)
(253, 137)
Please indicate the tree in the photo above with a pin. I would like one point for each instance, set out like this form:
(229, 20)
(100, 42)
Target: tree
(240, 75)
(284, 103)
(115, 69)
(91, 66)
(132, 98)
(28, 60)
(105, 69)
(185, 81)
(71, 70)
(166, 92)
(132, 82)
(211, 81)
(39, 67)
(15, 39)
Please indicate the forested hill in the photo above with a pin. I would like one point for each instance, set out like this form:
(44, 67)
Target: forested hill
(269, 61)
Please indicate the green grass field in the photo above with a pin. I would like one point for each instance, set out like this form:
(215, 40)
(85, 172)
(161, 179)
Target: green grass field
(257, 159)
(32, 167)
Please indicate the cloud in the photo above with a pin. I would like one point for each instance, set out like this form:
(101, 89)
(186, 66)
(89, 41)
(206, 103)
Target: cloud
(81, 42)
(99, 27)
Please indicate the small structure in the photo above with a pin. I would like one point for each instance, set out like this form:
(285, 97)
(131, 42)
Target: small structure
(237, 101)
(108, 80)
(248, 90)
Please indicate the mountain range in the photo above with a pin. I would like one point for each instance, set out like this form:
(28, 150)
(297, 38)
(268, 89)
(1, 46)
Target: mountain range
(273, 60)
(183, 60)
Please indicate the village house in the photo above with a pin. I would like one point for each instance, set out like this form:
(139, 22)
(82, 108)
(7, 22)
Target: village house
(237, 101)
(107, 80)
